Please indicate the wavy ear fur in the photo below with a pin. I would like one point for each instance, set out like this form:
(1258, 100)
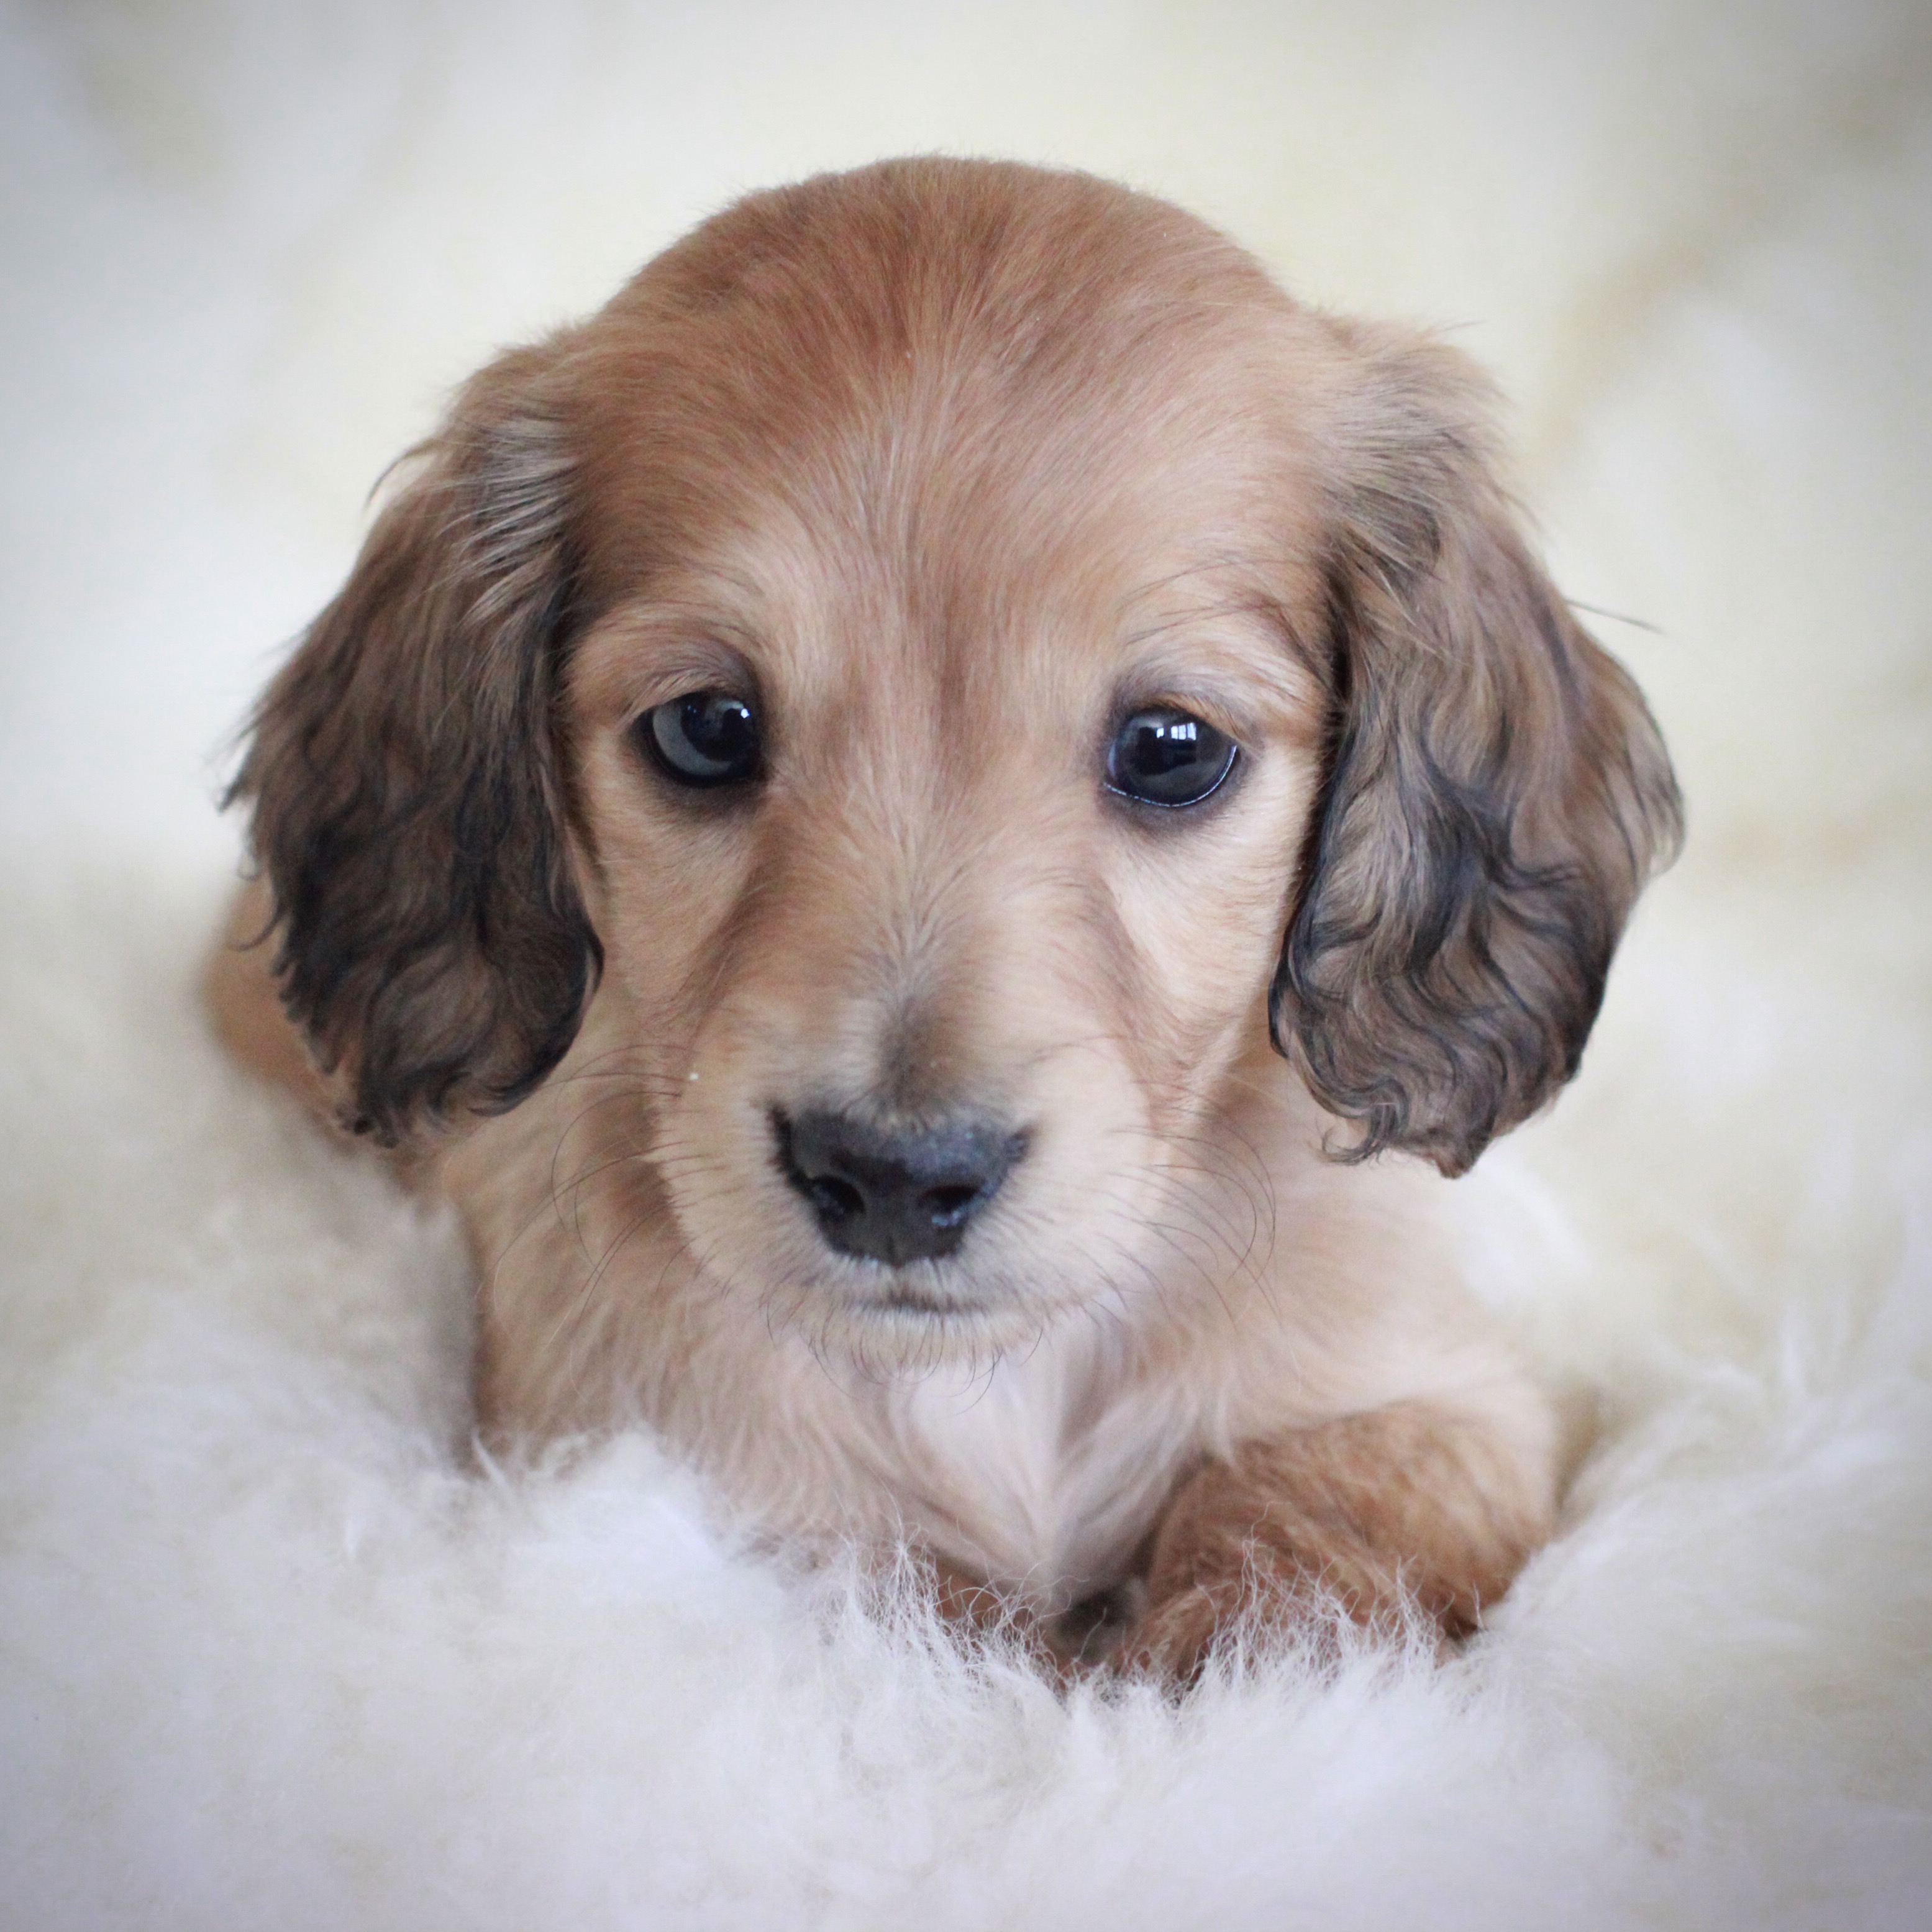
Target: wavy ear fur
(1498, 793)
(408, 806)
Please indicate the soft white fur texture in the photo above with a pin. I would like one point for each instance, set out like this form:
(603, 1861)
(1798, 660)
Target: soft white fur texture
(271, 1656)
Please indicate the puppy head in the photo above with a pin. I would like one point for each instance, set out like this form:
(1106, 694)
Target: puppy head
(967, 659)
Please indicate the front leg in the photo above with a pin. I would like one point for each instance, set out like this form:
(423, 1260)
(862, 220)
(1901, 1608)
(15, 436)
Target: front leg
(1406, 1508)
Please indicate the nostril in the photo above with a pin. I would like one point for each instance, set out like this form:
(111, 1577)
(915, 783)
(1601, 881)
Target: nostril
(949, 1205)
(837, 1199)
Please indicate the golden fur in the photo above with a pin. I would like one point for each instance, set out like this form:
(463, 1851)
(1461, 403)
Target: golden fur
(948, 465)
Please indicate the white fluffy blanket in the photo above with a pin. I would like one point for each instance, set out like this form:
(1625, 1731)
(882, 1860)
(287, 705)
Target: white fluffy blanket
(270, 1656)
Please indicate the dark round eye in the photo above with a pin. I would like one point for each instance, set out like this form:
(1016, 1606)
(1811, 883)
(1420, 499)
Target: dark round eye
(1166, 757)
(704, 738)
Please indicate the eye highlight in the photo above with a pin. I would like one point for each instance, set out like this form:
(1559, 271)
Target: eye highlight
(703, 739)
(1167, 757)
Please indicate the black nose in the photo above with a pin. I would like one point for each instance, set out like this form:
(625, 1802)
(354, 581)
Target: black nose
(891, 1196)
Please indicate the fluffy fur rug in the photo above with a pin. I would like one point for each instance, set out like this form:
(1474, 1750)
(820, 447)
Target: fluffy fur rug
(270, 1655)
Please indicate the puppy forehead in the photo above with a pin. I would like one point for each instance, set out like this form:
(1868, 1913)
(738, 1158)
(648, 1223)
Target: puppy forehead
(1044, 405)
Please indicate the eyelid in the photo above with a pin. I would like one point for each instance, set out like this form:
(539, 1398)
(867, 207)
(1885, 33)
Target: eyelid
(688, 673)
(644, 659)
(1208, 706)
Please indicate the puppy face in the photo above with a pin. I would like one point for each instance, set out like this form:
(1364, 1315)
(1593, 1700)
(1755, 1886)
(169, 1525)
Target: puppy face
(966, 659)
(1025, 732)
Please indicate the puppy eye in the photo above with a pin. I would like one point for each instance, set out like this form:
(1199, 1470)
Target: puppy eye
(704, 738)
(1166, 757)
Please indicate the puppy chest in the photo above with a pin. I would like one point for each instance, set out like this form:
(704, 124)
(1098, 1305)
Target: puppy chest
(1033, 1474)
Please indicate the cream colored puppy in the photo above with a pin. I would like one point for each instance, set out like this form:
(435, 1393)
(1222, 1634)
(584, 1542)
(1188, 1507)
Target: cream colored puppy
(917, 821)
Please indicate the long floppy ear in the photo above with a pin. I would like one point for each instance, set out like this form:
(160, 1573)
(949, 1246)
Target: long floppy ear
(1498, 797)
(409, 803)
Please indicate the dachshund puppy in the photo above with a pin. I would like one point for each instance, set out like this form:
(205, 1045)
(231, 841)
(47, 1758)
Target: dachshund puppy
(920, 821)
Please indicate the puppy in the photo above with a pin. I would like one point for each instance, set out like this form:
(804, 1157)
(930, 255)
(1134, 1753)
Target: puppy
(931, 823)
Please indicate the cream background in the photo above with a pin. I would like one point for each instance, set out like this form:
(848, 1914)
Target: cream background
(266, 1657)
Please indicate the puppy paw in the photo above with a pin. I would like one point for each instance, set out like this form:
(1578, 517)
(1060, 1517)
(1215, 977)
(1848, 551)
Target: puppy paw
(1175, 1638)
(1396, 1522)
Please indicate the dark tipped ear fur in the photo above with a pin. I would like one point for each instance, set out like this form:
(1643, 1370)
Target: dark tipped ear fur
(1498, 793)
(408, 797)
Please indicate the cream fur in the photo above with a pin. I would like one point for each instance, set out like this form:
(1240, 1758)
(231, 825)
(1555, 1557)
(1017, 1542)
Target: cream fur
(269, 1656)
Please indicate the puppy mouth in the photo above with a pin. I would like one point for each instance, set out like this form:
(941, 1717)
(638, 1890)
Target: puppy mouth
(904, 1299)
(922, 1296)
